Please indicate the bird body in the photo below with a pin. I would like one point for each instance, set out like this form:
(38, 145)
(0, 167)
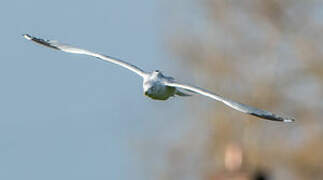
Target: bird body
(160, 87)
(154, 88)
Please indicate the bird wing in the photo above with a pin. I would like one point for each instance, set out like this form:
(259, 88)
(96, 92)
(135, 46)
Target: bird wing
(233, 104)
(69, 49)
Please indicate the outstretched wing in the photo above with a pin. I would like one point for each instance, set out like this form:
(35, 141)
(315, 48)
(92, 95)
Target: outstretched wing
(69, 49)
(233, 104)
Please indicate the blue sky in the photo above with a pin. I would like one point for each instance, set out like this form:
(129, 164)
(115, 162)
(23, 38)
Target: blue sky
(66, 116)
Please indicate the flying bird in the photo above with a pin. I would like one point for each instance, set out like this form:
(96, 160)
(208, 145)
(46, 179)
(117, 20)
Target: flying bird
(160, 87)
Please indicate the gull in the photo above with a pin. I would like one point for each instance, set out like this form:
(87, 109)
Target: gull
(160, 87)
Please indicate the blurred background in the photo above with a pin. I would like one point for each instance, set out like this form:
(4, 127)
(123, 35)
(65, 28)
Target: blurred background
(66, 116)
(265, 53)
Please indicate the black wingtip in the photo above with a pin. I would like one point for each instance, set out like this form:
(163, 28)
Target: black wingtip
(273, 117)
(27, 36)
(40, 41)
(289, 120)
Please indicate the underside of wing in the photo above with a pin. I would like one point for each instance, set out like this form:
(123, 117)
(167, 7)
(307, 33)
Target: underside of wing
(233, 104)
(181, 93)
(70, 49)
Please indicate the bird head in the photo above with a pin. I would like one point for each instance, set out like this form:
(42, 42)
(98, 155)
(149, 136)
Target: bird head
(156, 72)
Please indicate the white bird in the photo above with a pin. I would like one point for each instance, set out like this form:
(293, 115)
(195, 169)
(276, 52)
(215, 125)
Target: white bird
(160, 87)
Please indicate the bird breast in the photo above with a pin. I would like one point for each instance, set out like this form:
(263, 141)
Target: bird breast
(160, 92)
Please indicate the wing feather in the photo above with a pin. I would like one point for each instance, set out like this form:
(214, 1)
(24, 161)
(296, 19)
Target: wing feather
(233, 104)
(69, 49)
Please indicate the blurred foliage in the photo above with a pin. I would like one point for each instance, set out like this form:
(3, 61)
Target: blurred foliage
(267, 54)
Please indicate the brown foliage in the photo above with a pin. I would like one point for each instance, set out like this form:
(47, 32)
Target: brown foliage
(267, 54)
